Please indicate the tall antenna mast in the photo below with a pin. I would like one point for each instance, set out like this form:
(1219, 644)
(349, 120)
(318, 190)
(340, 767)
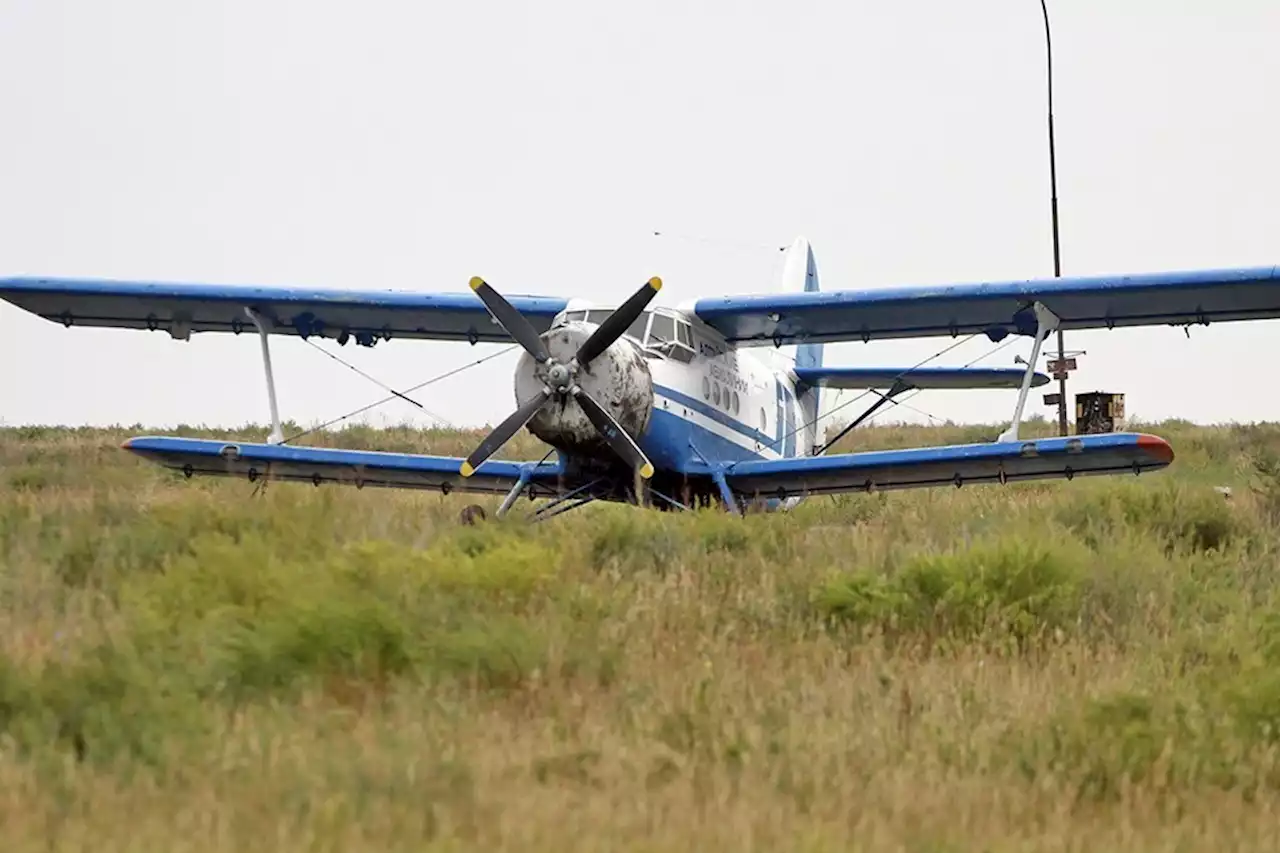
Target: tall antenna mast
(1053, 206)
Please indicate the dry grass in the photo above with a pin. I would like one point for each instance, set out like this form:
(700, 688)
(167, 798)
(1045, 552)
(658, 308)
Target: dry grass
(1066, 666)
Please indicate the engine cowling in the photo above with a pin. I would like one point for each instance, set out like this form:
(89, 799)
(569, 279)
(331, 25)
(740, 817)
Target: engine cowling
(619, 379)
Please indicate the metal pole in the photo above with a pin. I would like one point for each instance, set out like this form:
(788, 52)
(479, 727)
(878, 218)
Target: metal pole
(1053, 206)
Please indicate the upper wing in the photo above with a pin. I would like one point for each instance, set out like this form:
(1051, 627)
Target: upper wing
(915, 377)
(364, 316)
(1000, 462)
(345, 467)
(998, 309)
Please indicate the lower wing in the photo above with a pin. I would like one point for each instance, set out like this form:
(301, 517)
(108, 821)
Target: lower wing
(319, 465)
(958, 465)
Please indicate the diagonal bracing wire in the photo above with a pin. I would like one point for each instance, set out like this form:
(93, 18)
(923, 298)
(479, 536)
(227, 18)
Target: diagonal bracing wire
(915, 391)
(801, 427)
(384, 386)
(396, 394)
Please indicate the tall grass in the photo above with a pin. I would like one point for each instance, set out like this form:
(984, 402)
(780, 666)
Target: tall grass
(1055, 666)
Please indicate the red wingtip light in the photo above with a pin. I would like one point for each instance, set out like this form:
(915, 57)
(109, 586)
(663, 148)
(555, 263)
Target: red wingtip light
(1156, 447)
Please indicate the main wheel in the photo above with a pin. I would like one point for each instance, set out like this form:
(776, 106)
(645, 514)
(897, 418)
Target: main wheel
(472, 514)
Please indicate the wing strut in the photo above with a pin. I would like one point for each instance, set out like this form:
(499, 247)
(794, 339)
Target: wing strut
(277, 433)
(514, 494)
(898, 387)
(1046, 322)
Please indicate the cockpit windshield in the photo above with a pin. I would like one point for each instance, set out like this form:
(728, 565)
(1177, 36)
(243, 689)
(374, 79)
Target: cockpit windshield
(666, 337)
(598, 315)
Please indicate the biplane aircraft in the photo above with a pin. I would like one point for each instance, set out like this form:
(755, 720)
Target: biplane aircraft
(715, 401)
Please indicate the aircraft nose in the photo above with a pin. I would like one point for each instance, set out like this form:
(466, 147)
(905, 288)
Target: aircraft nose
(618, 378)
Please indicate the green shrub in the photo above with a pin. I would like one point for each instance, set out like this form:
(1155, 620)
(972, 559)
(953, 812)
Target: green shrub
(1010, 589)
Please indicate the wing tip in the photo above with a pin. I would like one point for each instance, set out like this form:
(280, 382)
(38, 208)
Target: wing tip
(1157, 447)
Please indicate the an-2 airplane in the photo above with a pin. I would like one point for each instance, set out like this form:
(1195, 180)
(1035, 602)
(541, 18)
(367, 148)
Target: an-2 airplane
(715, 401)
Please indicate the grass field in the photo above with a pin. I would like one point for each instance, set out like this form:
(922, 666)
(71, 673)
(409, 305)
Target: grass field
(1092, 665)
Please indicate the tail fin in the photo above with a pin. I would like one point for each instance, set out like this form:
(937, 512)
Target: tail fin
(800, 275)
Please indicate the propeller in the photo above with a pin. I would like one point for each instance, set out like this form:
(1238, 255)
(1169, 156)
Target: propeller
(560, 379)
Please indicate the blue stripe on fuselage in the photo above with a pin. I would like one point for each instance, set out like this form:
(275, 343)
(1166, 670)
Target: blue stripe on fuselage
(722, 418)
(671, 440)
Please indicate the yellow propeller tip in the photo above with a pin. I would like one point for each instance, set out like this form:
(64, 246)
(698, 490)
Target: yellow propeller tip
(476, 282)
(646, 471)
(655, 283)
(466, 470)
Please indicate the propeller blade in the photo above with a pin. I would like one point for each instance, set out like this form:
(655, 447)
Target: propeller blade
(613, 433)
(510, 319)
(503, 432)
(618, 322)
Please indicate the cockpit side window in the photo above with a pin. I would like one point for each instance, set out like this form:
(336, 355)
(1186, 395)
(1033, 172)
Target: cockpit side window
(663, 330)
(670, 338)
(684, 334)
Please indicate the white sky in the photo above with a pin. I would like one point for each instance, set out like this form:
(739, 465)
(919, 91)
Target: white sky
(413, 145)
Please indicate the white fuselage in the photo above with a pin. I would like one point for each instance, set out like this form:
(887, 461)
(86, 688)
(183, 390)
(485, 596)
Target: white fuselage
(711, 403)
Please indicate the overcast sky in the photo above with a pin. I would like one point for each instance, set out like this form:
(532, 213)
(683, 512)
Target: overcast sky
(412, 145)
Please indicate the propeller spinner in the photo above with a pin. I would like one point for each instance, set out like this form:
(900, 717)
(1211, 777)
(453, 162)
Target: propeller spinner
(560, 379)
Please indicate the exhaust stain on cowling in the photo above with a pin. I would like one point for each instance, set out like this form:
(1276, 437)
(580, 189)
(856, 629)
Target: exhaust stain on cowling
(618, 378)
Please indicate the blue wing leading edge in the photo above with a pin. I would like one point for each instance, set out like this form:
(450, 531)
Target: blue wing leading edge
(997, 309)
(319, 465)
(364, 316)
(958, 465)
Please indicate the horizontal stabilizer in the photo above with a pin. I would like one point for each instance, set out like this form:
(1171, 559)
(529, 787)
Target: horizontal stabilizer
(915, 377)
(363, 316)
(958, 465)
(319, 465)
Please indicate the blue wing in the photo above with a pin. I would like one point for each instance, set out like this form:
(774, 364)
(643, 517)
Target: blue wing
(344, 467)
(915, 377)
(364, 316)
(964, 464)
(998, 309)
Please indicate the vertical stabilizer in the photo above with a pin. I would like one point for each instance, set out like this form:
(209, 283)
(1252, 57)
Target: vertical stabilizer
(800, 275)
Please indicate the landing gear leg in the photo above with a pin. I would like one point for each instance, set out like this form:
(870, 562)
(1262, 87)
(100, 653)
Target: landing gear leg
(514, 494)
(726, 494)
